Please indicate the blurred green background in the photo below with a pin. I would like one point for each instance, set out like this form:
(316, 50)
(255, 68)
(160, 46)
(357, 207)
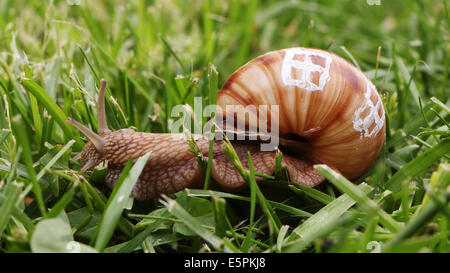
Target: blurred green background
(164, 47)
(158, 54)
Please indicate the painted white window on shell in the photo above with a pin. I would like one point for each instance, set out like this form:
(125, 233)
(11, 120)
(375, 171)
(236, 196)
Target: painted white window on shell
(299, 69)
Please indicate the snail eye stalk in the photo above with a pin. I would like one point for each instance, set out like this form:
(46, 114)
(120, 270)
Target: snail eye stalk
(97, 140)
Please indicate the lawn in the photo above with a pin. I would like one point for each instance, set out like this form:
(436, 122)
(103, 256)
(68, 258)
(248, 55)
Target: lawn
(159, 54)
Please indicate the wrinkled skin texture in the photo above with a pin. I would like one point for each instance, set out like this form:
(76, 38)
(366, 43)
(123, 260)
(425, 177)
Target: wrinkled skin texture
(172, 167)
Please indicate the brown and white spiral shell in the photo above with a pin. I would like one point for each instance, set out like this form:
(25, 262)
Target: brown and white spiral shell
(321, 98)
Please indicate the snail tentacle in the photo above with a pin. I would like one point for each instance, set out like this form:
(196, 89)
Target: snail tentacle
(97, 140)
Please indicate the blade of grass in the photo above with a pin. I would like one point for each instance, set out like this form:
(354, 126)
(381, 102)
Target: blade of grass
(229, 247)
(441, 104)
(4, 133)
(439, 178)
(172, 52)
(53, 70)
(412, 128)
(117, 202)
(251, 175)
(425, 215)
(281, 237)
(210, 154)
(313, 193)
(37, 121)
(22, 138)
(418, 165)
(100, 200)
(12, 192)
(277, 205)
(359, 196)
(55, 158)
(213, 84)
(265, 205)
(193, 224)
(51, 107)
(322, 222)
(409, 79)
(138, 239)
(220, 216)
(62, 203)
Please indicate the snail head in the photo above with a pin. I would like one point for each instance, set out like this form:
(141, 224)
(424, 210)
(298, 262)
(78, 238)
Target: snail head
(93, 151)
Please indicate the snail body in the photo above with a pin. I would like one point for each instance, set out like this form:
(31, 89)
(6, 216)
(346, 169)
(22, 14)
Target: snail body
(330, 105)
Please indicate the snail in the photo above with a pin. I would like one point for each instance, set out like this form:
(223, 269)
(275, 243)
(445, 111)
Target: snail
(328, 112)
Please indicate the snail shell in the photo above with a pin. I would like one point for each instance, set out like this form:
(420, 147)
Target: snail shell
(322, 98)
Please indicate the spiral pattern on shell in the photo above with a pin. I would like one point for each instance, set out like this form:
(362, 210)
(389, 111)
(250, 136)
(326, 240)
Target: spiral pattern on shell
(321, 97)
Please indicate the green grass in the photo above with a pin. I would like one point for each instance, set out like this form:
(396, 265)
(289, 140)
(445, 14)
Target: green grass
(158, 54)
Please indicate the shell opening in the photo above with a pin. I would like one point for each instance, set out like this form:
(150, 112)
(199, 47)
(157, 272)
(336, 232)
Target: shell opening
(296, 146)
(292, 144)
